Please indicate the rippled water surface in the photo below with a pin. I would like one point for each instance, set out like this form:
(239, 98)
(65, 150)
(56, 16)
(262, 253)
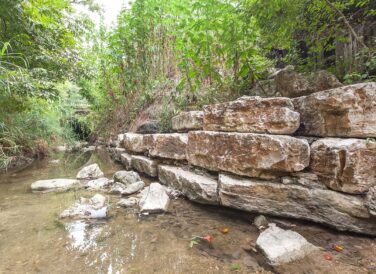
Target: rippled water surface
(34, 240)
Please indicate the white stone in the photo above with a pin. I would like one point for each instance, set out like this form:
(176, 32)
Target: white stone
(90, 172)
(99, 184)
(283, 246)
(126, 177)
(129, 202)
(117, 188)
(145, 165)
(155, 199)
(93, 208)
(126, 160)
(133, 188)
(54, 184)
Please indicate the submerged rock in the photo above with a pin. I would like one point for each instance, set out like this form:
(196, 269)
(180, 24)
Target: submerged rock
(129, 202)
(90, 172)
(54, 184)
(126, 177)
(99, 184)
(154, 199)
(283, 246)
(133, 188)
(93, 208)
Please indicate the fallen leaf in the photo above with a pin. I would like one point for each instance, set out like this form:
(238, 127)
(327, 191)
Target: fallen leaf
(208, 238)
(225, 230)
(328, 257)
(338, 248)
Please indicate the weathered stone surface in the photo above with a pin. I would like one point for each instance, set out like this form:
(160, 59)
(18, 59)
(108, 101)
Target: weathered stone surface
(344, 212)
(126, 177)
(84, 208)
(347, 165)
(348, 111)
(169, 146)
(253, 114)
(117, 153)
(292, 84)
(283, 246)
(129, 202)
(306, 179)
(117, 188)
(99, 184)
(371, 201)
(186, 121)
(148, 127)
(133, 188)
(145, 165)
(126, 160)
(261, 222)
(196, 187)
(54, 185)
(135, 142)
(155, 199)
(254, 155)
(90, 172)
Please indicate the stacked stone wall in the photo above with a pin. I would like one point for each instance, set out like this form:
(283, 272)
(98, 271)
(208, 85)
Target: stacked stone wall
(311, 157)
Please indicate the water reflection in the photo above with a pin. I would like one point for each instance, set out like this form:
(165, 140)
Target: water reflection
(83, 236)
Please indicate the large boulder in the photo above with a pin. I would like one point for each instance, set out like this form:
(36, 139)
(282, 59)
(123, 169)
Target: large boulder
(169, 146)
(254, 155)
(126, 177)
(348, 111)
(135, 143)
(145, 165)
(84, 208)
(90, 172)
(54, 185)
(347, 165)
(186, 121)
(283, 246)
(154, 199)
(196, 187)
(253, 114)
(292, 84)
(341, 211)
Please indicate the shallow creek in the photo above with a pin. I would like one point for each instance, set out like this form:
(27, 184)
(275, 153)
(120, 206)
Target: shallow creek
(34, 240)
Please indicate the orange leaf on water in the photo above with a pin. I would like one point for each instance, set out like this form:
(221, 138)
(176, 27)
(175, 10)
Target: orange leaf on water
(328, 257)
(225, 230)
(338, 248)
(208, 238)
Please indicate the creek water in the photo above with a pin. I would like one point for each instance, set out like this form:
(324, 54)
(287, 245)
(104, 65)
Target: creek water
(34, 240)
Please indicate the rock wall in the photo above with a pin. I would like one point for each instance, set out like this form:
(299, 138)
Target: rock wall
(310, 158)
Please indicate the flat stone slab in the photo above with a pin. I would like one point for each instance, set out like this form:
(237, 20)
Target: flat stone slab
(145, 165)
(188, 120)
(249, 154)
(126, 160)
(347, 165)
(341, 211)
(168, 146)
(154, 199)
(283, 246)
(135, 143)
(198, 188)
(253, 114)
(93, 208)
(90, 172)
(54, 185)
(348, 111)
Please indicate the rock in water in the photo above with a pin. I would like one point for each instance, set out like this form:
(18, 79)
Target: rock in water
(90, 172)
(129, 202)
(133, 188)
(260, 222)
(99, 184)
(342, 211)
(196, 187)
(169, 146)
(283, 246)
(145, 165)
(249, 154)
(126, 177)
(155, 199)
(254, 115)
(348, 111)
(93, 208)
(54, 185)
(186, 121)
(347, 165)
